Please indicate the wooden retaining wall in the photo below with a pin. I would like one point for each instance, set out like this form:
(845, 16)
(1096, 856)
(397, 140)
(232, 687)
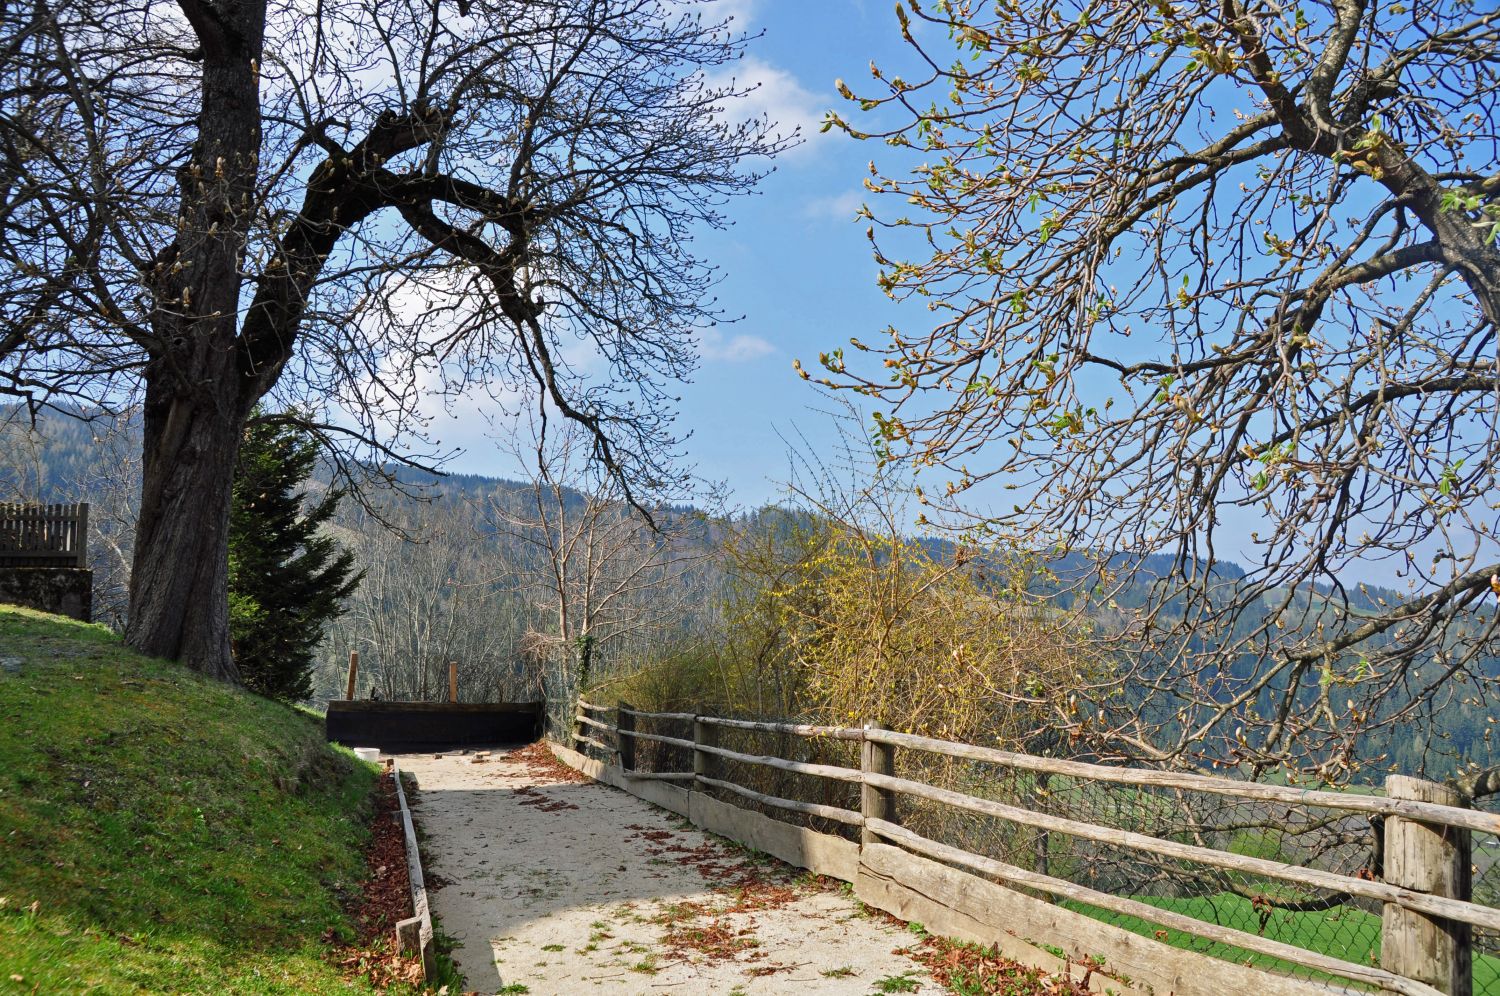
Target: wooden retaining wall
(397, 727)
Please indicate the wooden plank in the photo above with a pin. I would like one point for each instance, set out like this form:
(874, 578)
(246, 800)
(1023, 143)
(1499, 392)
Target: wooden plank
(409, 934)
(1482, 916)
(941, 915)
(819, 853)
(1344, 801)
(794, 729)
(81, 533)
(955, 903)
(593, 708)
(581, 739)
(642, 714)
(421, 911)
(44, 535)
(848, 816)
(1012, 875)
(595, 723)
(663, 739)
(449, 708)
(1427, 858)
(578, 762)
(446, 708)
(829, 771)
(400, 726)
(797, 767)
(660, 793)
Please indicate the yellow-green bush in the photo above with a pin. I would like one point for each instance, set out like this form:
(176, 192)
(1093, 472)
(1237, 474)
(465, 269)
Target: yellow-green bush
(840, 623)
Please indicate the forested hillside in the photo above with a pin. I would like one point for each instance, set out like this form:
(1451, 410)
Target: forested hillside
(457, 566)
(536, 588)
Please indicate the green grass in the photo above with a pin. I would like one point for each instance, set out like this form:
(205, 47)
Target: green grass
(164, 833)
(1346, 933)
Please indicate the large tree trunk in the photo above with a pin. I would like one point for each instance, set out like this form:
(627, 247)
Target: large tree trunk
(200, 382)
(179, 595)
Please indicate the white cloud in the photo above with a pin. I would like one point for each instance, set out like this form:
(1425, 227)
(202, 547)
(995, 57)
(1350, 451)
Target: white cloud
(741, 10)
(715, 347)
(836, 207)
(775, 93)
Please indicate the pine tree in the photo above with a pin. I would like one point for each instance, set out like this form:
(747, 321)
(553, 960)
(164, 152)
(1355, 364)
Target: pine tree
(285, 580)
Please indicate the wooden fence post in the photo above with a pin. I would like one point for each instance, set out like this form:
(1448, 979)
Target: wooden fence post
(81, 535)
(703, 735)
(1038, 803)
(453, 681)
(1425, 857)
(578, 734)
(876, 803)
(624, 724)
(353, 672)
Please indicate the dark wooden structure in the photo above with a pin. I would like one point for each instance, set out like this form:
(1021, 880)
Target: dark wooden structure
(44, 535)
(397, 727)
(44, 558)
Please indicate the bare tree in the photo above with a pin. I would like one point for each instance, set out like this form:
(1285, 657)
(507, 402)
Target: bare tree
(357, 203)
(604, 577)
(1211, 281)
(427, 600)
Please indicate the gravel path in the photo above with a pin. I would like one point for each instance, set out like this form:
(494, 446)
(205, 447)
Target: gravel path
(570, 887)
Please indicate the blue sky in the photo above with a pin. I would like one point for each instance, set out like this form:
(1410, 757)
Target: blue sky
(796, 266)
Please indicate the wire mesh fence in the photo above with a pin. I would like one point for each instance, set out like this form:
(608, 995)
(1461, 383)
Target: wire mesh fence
(1485, 867)
(1331, 922)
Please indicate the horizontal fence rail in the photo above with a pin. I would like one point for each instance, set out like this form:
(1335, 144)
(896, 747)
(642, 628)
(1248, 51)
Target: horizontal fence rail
(44, 535)
(1062, 888)
(1450, 915)
(793, 729)
(1468, 819)
(1452, 909)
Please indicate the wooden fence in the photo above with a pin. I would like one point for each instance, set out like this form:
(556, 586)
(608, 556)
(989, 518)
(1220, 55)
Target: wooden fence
(44, 535)
(1423, 888)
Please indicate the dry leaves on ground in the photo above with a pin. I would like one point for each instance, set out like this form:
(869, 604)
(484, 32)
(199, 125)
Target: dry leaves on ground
(537, 761)
(383, 900)
(971, 968)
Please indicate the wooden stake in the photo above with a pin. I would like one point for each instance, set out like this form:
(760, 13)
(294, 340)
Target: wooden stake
(1433, 859)
(704, 735)
(453, 681)
(876, 803)
(624, 725)
(353, 670)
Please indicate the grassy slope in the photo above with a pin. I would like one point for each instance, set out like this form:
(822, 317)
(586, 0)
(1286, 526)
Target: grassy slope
(175, 835)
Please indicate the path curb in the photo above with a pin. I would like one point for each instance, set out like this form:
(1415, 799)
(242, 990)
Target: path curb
(414, 933)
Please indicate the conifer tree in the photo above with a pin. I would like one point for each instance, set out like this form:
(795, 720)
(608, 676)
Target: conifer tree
(285, 579)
